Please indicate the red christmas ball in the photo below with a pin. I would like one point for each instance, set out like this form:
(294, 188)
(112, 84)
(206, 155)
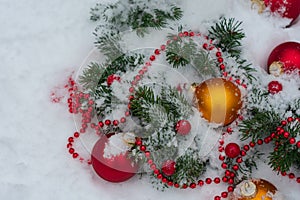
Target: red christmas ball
(168, 167)
(183, 127)
(232, 150)
(111, 78)
(115, 169)
(286, 8)
(274, 87)
(284, 58)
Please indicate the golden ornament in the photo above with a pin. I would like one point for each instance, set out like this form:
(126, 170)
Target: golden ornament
(254, 189)
(219, 100)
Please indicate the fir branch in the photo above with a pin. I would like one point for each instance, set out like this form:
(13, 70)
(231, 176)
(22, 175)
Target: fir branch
(179, 52)
(229, 35)
(109, 44)
(139, 17)
(204, 64)
(260, 125)
(285, 154)
(189, 167)
(90, 76)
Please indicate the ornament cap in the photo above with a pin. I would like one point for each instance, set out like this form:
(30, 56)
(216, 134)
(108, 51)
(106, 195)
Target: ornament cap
(260, 4)
(276, 68)
(248, 189)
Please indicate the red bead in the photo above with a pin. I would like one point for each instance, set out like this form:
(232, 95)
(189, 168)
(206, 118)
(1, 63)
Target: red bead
(152, 57)
(246, 147)
(111, 78)
(224, 194)
(252, 144)
(193, 185)
(225, 179)
(150, 162)
(70, 139)
(164, 180)
(170, 183)
(283, 123)
(192, 34)
(168, 167)
(298, 144)
(292, 141)
(217, 198)
(159, 176)
(163, 47)
(232, 174)
(232, 150)
(208, 181)
(107, 122)
(185, 33)
(227, 173)
(131, 89)
(101, 124)
(230, 189)
(147, 154)
(260, 142)
(221, 157)
(176, 185)
(205, 45)
(200, 183)
(220, 60)
(239, 160)
(224, 165)
(123, 120)
(217, 180)
(138, 142)
(143, 148)
(115, 122)
(157, 51)
(75, 155)
(127, 113)
(298, 180)
(231, 181)
(290, 119)
(71, 150)
(283, 173)
(156, 171)
(183, 127)
(222, 67)
(218, 54)
(69, 145)
(291, 175)
(286, 134)
(184, 186)
(235, 167)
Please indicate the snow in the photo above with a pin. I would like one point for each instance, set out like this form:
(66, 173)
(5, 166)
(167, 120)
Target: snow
(42, 43)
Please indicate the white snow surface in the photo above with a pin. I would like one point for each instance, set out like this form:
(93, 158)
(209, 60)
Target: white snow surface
(41, 44)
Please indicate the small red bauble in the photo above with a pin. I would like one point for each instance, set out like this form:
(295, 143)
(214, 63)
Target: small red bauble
(284, 58)
(286, 8)
(168, 167)
(183, 127)
(274, 87)
(111, 78)
(115, 169)
(232, 150)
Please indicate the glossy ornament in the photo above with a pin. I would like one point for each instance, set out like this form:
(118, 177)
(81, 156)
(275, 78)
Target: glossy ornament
(284, 58)
(285, 8)
(114, 169)
(274, 87)
(254, 189)
(232, 150)
(219, 100)
(168, 167)
(183, 127)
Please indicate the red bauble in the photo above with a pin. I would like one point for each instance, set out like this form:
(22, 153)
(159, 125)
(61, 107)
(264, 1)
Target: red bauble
(183, 127)
(274, 87)
(232, 150)
(115, 169)
(111, 79)
(168, 167)
(286, 8)
(284, 58)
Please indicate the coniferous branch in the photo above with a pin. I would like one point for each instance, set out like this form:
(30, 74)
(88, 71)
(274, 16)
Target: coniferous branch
(189, 168)
(260, 125)
(90, 76)
(109, 44)
(203, 63)
(179, 52)
(229, 35)
(137, 15)
(285, 154)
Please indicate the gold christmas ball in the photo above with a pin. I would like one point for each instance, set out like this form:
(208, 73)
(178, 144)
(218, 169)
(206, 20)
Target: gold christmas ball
(254, 189)
(219, 100)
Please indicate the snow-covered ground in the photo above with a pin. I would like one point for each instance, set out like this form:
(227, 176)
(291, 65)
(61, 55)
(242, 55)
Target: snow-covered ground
(41, 43)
